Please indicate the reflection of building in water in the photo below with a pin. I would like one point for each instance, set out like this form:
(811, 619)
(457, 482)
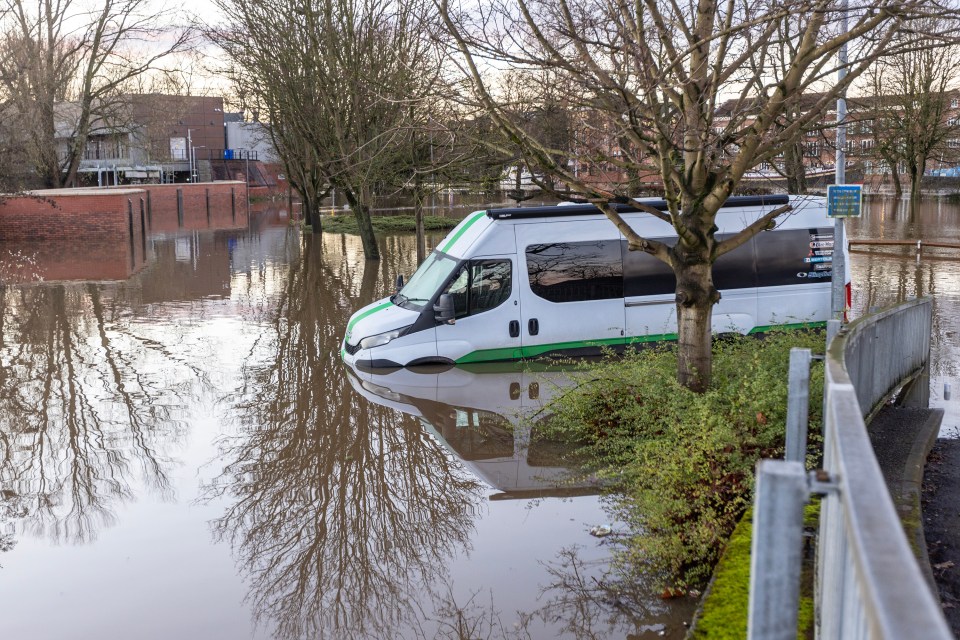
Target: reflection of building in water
(97, 259)
(191, 266)
(483, 414)
(889, 275)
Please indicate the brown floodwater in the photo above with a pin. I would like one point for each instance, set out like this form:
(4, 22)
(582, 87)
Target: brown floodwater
(885, 275)
(183, 454)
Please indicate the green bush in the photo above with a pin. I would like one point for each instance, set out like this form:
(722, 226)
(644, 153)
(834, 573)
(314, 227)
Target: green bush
(680, 465)
(347, 223)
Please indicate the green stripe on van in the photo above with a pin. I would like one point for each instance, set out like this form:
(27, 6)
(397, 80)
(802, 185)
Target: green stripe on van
(796, 325)
(466, 225)
(366, 313)
(518, 353)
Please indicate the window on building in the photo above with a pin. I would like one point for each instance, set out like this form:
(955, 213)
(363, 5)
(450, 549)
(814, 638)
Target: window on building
(954, 103)
(480, 285)
(576, 271)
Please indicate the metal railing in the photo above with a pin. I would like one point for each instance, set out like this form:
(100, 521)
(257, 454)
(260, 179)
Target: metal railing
(869, 584)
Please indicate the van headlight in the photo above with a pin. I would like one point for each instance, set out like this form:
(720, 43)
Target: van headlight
(382, 338)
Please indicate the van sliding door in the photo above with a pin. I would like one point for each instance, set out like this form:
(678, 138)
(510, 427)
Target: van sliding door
(572, 292)
(650, 293)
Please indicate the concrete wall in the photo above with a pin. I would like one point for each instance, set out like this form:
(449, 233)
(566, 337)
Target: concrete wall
(252, 136)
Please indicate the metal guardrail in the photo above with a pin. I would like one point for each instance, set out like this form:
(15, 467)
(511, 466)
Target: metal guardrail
(869, 584)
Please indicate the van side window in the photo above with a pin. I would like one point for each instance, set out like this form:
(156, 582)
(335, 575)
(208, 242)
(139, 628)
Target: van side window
(736, 269)
(645, 275)
(795, 256)
(480, 285)
(576, 271)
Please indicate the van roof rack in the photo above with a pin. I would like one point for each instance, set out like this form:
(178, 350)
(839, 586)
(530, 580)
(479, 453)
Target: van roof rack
(554, 211)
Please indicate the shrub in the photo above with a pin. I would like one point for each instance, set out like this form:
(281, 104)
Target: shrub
(679, 466)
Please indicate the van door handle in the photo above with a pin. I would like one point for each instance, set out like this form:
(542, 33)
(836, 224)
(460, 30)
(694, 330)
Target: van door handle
(533, 326)
(514, 328)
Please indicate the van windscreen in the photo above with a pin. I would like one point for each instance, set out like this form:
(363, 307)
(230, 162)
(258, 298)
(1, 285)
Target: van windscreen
(425, 281)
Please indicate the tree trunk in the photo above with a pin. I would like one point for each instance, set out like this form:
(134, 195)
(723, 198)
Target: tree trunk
(361, 211)
(897, 187)
(418, 217)
(795, 171)
(309, 211)
(916, 177)
(695, 298)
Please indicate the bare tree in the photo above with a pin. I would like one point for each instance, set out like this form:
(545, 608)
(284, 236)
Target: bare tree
(67, 67)
(655, 72)
(909, 106)
(339, 100)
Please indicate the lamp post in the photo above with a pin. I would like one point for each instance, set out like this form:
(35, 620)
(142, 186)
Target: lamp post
(193, 152)
(190, 155)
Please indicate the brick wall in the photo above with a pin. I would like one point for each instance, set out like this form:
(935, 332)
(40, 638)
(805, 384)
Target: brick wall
(48, 215)
(90, 234)
(225, 211)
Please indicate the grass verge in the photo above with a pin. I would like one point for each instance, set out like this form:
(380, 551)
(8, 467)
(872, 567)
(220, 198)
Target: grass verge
(347, 223)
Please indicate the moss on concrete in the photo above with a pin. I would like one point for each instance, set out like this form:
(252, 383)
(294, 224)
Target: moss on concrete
(724, 610)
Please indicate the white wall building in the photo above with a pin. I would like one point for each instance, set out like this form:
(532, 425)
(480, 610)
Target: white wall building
(250, 136)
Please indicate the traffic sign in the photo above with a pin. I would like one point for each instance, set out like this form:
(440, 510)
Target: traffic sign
(844, 200)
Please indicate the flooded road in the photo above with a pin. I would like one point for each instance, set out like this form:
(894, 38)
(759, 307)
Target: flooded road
(885, 275)
(183, 454)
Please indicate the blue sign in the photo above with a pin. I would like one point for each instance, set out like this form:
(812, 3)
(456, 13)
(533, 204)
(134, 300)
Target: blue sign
(844, 200)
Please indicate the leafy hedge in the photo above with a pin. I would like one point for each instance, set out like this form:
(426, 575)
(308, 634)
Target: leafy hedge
(680, 465)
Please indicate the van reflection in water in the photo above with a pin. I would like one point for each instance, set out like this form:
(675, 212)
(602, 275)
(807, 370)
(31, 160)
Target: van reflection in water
(484, 414)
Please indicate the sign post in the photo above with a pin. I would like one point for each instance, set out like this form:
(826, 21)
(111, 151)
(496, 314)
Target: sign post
(843, 201)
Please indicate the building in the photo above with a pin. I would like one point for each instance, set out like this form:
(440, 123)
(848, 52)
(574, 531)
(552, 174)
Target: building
(148, 138)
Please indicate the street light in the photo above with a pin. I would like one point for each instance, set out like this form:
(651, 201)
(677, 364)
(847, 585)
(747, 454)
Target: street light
(189, 151)
(193, 153)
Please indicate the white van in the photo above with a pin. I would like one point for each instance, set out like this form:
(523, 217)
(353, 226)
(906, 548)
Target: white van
(508, 284)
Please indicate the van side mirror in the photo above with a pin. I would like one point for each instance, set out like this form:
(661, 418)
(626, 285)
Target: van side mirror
(399, 282)
(443, 310)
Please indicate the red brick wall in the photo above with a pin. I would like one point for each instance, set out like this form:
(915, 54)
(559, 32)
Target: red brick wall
(95, 214)
(222, 214)
(89, 234)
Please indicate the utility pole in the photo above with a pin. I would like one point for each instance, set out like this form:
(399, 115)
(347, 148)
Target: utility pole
(838, 298)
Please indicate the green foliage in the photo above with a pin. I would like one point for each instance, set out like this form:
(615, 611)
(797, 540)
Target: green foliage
(680, 465)
(386, 224)
(725, 607)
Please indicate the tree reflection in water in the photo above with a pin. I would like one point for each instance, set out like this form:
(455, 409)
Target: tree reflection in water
(342, 512)
(81, 415)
